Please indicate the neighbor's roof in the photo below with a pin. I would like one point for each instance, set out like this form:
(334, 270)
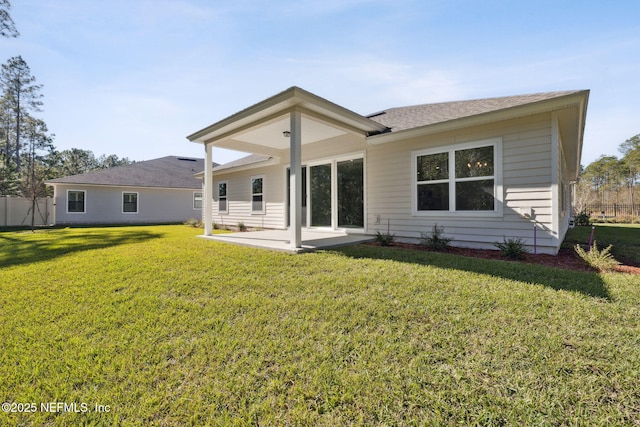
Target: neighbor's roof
(403, 118)
(165, 172)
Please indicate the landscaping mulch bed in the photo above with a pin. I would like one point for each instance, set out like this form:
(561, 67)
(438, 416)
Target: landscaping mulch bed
(566, 258)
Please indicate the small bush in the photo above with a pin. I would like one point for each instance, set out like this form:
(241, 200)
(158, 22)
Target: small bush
(242, 227)
(194, 222)
(582, 219)
(600, 260)
(385, 239)
(216, 226)
(512, 248)
(435, 240)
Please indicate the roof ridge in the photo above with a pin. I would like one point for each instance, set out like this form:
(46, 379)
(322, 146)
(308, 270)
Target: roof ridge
(526, 95)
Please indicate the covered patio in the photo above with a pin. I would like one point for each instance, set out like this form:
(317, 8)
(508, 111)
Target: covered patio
(280, 240)
(280, 127)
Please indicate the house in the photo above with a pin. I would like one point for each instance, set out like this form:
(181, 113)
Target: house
(162, 190)
(484, 170)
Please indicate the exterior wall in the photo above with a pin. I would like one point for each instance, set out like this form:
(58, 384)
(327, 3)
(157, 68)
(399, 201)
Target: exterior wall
(239, 198)
(16, 211)
(563, 198)
(103, 205)
(275, 185)
(526, 187)
(530, 158)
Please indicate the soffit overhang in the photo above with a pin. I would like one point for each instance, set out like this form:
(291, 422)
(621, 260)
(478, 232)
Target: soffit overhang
(259, 128)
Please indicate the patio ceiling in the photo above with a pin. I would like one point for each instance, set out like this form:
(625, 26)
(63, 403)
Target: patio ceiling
(259, 128)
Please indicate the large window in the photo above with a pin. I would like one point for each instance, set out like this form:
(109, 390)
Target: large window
(223, 207)
(461, 178)
(129, 202)
(257, 195)
(75, 201)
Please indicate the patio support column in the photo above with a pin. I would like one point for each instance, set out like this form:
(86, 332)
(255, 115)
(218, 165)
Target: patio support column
(208, 187)
(295, 180)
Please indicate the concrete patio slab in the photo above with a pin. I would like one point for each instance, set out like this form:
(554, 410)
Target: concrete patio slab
(278, 240)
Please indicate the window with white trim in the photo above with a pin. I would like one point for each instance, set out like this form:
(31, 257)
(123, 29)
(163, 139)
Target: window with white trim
(257, 195)
(223, 207)
(75, 201)
(197, 200)
(129, 202)
(460, 178)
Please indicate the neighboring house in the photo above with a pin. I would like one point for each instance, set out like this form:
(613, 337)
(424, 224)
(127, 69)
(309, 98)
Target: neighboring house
(162, 190)
(484, 169)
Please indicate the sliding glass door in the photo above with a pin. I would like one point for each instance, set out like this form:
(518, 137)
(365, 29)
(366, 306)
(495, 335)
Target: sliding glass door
(332, 194)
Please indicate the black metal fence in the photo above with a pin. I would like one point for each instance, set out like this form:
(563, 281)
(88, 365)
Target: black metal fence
(609, 210)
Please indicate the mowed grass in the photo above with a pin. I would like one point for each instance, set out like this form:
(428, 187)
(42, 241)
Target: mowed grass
(625, 239)
(166, 329)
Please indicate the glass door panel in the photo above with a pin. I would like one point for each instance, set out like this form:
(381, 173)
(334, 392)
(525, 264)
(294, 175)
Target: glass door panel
(351, 193)
(320, 189)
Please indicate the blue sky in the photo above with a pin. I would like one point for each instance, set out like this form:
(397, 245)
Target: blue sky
(134, 77)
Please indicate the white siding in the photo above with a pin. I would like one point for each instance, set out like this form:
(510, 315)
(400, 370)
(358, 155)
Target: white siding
(527, 167)
(103, 205)
(239, 198)
(526, 181)
(274, 217)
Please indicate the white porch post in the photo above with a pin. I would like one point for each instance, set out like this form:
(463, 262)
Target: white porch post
(295, 181)
(208, 187)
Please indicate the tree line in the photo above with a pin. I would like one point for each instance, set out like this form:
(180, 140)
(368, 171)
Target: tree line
(28, 156)
(611, 181)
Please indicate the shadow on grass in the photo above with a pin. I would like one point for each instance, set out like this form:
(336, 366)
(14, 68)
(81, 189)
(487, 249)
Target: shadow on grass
(28, 247)
(589, 284)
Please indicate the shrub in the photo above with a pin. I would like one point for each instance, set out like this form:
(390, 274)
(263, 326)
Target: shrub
(242, 227)
(512, 248)
(600, 260)
(216, 226)
(194, 222)
(385, 239)
(435, 240)
(582, 219)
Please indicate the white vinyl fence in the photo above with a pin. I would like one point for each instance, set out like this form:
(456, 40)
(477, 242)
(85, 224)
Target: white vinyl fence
(16, 211)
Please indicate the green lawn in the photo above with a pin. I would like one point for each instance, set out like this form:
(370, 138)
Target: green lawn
(164, 329)
(625, 239)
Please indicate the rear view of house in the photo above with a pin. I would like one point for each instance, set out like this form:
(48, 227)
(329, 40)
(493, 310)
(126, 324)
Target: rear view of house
(162, 190)
(483, 169)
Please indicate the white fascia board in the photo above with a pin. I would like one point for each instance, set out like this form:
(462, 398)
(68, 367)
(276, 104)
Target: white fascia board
(77, 184)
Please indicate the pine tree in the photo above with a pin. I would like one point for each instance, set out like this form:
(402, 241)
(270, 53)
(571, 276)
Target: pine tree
(20, 96)
(39, 143)
(7, 26)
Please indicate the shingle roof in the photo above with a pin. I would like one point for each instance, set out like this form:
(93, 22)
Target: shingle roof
(415, 116)
(244, 161)
(403, 118)
(165, 172)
